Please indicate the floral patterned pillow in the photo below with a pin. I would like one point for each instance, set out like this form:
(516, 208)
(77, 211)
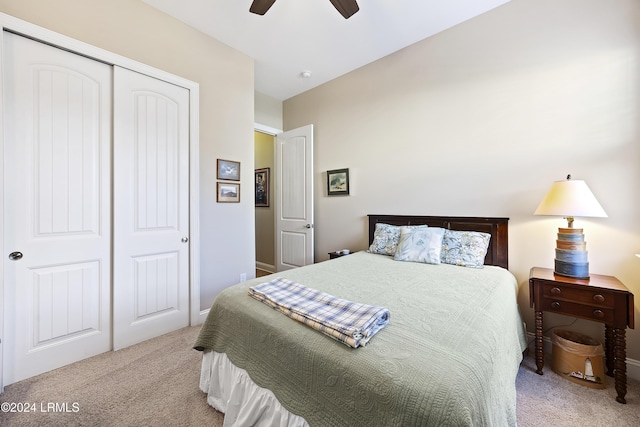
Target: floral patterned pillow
(464, 248)
(420, 245)
(385, 238)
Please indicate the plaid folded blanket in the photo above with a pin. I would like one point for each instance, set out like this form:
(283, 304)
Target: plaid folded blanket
(348, 322)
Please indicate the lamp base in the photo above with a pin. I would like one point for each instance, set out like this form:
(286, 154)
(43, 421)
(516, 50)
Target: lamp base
(573, 270)
(571, 257)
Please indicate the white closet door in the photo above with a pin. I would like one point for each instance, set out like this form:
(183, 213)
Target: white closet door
(151, 205)
(57, 135)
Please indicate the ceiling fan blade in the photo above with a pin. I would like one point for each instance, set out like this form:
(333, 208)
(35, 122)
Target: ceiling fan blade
(260, 7)
(346, 7)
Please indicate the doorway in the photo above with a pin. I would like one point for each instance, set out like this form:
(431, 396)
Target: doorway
(264, 145)
(292, 196)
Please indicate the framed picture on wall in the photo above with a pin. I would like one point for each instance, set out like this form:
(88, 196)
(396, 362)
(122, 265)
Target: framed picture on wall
(262, 187)
(338, 182)
(229, 170)
(228, 192)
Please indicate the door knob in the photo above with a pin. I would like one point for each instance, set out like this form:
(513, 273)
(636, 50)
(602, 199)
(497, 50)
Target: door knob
(307, 226)
(15, 256)
(184, 239)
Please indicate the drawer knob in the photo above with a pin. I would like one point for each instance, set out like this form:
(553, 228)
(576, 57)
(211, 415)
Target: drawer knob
(598, 313)
(598, 298)
(555, 305)
(556, 291)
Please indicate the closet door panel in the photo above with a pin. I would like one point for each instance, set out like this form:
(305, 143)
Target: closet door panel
(57, 207)
(151, 202)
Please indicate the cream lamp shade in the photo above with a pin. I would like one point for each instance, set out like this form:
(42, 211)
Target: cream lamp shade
(569, 199)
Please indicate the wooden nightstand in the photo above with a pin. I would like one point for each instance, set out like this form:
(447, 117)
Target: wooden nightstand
(600, 298)
(338, 254)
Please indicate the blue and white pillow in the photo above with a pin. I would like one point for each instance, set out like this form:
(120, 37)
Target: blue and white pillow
(385, 238)
(464, 248)
(420, 245)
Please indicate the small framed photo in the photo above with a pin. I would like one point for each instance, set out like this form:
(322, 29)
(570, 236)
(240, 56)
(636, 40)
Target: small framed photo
(262, 187)
(228, 170)
(228, 192)
(338, 182)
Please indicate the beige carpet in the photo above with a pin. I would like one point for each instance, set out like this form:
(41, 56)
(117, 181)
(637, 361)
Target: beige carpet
(156, 383)
(550, 400)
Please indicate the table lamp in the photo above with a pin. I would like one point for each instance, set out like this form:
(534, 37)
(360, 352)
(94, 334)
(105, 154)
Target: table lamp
(571, 198)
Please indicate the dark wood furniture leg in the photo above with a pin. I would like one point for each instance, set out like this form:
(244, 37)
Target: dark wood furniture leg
(608, 349)
(620, 363)
(539, 344)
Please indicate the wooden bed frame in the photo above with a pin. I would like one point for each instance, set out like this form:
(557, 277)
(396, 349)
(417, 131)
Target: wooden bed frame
(498, 251)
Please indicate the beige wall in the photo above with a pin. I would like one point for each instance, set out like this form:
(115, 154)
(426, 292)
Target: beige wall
(268, 111)
(265, 216)
(134, 30)
(480, 120)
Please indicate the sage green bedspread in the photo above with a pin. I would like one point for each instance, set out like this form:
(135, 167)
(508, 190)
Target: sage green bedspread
(448, 357)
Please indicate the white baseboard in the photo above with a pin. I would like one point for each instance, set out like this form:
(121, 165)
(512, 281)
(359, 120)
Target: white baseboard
(265, 267)
(260, 266)
(633, 369)
(633, 365)
(203, 316)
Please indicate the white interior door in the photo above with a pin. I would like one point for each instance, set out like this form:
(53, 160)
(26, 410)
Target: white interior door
(151, 205)
(294, 198)
(57, 237)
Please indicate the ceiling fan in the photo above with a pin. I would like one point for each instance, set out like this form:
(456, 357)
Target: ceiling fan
(345, 7)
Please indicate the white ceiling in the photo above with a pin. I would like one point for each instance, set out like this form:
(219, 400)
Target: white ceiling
(310, 35)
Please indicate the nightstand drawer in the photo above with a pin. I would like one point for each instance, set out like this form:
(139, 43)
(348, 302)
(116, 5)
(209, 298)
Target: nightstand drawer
(579, 295)
(599, 314)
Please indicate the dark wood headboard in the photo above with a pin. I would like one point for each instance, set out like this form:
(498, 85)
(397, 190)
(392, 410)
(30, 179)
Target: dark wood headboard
(498, 251)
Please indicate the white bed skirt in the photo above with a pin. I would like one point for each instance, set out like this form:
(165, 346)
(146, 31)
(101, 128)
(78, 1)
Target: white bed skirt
(231, 391)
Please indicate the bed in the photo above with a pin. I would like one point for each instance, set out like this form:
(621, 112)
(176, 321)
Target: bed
(448, 357)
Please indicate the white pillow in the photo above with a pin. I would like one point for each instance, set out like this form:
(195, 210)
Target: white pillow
(385, 238)
(420, 245)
